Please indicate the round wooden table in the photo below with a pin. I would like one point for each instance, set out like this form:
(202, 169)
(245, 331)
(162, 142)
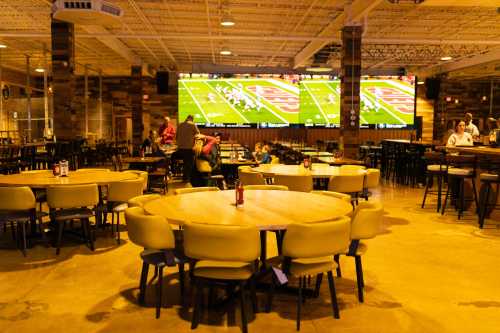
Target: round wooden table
(46, 178)
(317, 171)
(268, 210)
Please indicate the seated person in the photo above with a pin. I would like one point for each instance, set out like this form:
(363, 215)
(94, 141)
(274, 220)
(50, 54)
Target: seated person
(460, 137)
(257, 153)
(149, 145)
(208, 159)
(266, 156)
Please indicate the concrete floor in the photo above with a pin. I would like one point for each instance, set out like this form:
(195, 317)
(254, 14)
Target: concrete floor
(425, 273)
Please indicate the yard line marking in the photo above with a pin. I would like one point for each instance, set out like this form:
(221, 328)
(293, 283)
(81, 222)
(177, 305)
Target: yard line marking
(317, 103)
(367, 95)
(195, 101)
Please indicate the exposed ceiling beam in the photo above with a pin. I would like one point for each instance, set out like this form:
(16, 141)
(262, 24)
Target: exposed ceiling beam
(358, 10)
(493, 55)
(209, 30)
(112, 42)
(465, 3)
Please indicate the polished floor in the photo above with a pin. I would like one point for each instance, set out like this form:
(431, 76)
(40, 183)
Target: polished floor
(424, 273)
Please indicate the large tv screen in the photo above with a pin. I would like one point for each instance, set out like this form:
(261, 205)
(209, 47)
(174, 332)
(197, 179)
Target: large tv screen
(239, 100)
(386, 101)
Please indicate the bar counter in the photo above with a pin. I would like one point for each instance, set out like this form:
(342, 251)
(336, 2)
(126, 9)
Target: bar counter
(478, 150)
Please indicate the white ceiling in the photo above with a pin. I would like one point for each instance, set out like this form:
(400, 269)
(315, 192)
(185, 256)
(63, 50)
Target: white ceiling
(179, 33)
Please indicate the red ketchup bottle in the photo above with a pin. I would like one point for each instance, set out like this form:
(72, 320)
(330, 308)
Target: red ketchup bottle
(239, 194)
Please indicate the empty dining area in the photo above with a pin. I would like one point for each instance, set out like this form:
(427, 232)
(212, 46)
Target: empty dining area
(249, 166)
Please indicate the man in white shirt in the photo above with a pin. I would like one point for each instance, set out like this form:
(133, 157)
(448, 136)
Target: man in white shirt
(470, 127)
(460, 137)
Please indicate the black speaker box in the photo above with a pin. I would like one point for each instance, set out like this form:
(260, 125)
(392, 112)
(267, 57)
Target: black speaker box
(418, 127)
(432, 88)
(162, 83)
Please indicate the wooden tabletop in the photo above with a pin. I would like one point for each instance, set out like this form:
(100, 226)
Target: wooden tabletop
(317, 154)
(403, 141)
(479, 150)
(47, 179)
(145, 160)
(339, 161)
(268, 210)
(316, 172)
(228, 161)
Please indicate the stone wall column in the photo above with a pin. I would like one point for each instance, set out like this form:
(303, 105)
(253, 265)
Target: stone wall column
(350, 88)
(67, 124)
(135, 94)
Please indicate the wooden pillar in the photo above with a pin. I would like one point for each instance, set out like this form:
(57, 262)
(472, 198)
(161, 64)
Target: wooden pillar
(135, 93)
(350, 89)
(67, 124)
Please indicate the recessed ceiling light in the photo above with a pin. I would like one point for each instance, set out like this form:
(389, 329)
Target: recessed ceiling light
(227, 20)
(446, 58)
(420, 82)
(225, 51)
(39, 70)
(3, 46)
(319, 68)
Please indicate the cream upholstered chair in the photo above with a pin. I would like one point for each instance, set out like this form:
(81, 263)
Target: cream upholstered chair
(266, 187)
(196, 189)
(338, 195)
(119, 193)
(17, 205)
(366, 224)
(250, 177)
(300, 183)
(351, 167)
(320, 165)
(91, 169)
(225, 253)
(275, 159)
(372, 180)
(309, 248)
(72, 203)
(155, 235)
(351, 183)
(143, 175)
(141, 200)
(40, 194)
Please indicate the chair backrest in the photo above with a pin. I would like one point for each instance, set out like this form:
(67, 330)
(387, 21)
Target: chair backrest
(461, 161)
(346, 183)
(351, 167)
(275, 159)
(372, 178)
(125, 190)
(91, 169)
(300, 183)
(140, 200)
(196, 189)
(266, 187)
(221, 242)
(367, 220)
(72, 196)
(434, 157)
(309, 240)
(33, 172)
(320, 165)
(17, 198)
(143, 175)
(338, 195)
(149, 231)
(249, 177)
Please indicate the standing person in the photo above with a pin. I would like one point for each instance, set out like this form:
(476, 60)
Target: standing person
(470, 127)
(186, 132)
(166, 132)
(460, 137)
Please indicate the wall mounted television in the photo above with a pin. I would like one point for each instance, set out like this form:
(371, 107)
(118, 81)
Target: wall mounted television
(386, 101)
(242, 100)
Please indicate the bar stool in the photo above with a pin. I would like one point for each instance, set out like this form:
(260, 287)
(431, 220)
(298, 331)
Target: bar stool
(488, 179)
(460, 168)
(435, 168)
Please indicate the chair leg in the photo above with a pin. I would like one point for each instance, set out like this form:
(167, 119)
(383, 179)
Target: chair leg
(89, 234)
(60, 228)
(253, 295)
(144, 280)
(440, 187)
(299, 303)
(333, 295)
(461, 198)
(474, 193)
(337, 260)
(359, 278)
(181, 280)
(484, 207)
(244, 324)
(159, 292)
(446, 198)
(270, 295)
(427, 183)
(319, 278)
(197, 305)
(21, 230)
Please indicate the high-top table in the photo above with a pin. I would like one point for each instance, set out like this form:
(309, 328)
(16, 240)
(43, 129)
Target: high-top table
(268, 210)
(316, 172)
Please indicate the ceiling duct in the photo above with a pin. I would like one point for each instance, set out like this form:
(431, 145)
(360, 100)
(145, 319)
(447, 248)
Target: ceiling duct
(87, 12)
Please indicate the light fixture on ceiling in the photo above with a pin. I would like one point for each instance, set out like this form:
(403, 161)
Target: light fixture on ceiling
(319, 68)
(3, 46)
(227, 20)
(225, 51)
(447, 58)
(420, 83)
